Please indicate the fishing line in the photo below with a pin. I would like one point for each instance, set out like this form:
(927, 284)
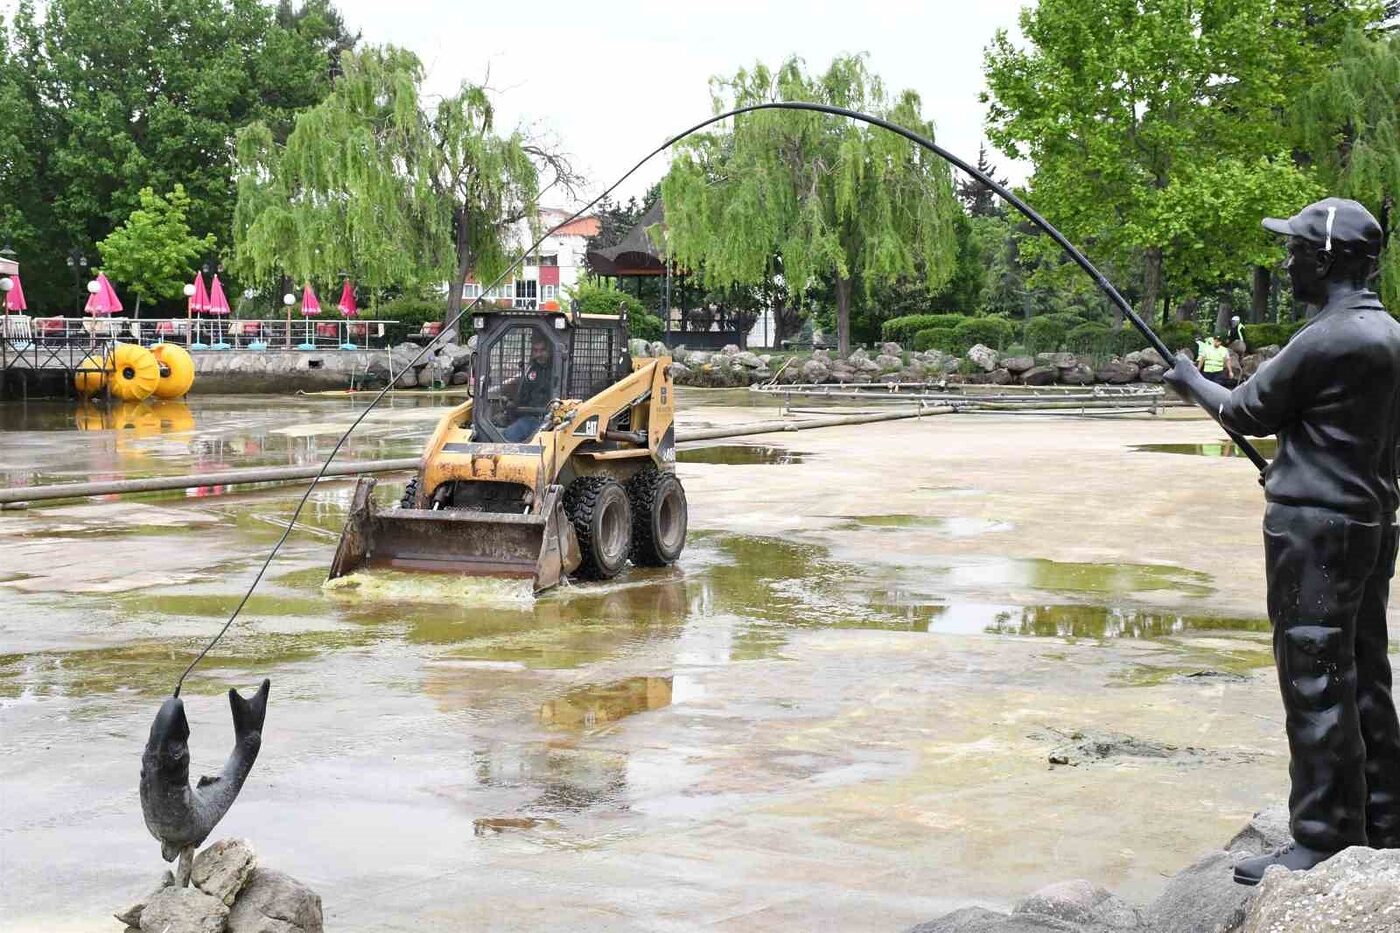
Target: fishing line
(1079, 258)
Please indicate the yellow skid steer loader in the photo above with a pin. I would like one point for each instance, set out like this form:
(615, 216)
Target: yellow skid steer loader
(562, 463)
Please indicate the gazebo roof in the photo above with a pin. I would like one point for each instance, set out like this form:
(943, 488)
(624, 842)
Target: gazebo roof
(637, 253)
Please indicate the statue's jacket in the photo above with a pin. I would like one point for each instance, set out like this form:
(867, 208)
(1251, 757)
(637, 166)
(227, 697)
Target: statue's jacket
(1332, 396)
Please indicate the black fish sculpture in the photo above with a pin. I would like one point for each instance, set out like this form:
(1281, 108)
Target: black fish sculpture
(180, 816)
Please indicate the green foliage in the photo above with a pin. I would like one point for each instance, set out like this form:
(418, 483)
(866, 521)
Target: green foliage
(411, 310)
(596, 297)
(102, 99)
(1178, 335)
(1044, 334)
(1257, 336)
(154, 253)
(903, 329)
(937, 338)
(1102, 341)
(993, 332)
(818, 195)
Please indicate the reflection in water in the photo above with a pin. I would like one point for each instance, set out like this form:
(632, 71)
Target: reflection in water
(739, 455)
(1267, 446)
(597, 704)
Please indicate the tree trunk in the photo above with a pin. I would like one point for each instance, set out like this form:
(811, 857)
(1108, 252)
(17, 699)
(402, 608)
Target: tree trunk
(1151, 283)
(1223, 312)
(1259, 295)
(464, 263)
(1186, 311)
(843, 317)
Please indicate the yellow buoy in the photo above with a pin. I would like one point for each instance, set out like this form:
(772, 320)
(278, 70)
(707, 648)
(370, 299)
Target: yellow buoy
(132, 371)
(176, 370)
(91, 377)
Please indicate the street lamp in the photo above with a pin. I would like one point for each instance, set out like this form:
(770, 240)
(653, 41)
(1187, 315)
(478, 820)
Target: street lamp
(288, 300)
(77, 264)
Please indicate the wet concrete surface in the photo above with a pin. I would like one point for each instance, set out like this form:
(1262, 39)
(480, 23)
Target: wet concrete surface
(836, 712)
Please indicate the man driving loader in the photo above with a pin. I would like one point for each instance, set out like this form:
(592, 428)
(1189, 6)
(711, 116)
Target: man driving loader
(532, 392)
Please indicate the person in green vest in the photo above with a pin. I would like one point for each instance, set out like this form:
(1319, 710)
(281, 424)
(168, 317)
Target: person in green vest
(1215, 363)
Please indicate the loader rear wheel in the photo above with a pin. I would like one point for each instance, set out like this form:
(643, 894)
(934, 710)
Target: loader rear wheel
(659, 517)
(602, 518)
(410, 495)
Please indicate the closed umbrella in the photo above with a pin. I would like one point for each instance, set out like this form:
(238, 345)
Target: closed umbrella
(102, 301)
(14, 298)
(218, 307)
(198, 304)
(347, 308)
(310, 308)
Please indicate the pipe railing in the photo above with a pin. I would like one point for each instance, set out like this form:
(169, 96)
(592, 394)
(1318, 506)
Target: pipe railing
(204, 332)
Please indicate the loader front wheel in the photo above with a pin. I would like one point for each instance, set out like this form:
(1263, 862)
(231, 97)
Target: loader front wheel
(410, 495)
(602, 518)
(658, 517)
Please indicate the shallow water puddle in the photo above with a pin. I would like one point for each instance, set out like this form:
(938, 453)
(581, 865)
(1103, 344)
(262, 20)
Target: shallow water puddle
(739, 455)
(587, 708)
(1267, 446)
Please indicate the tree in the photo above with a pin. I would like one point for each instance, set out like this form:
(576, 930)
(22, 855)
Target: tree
(154, 250)
(977, 198)
(1349, 124)
(371, 184)
(822, 196)
(121, 95)
(1114, 101)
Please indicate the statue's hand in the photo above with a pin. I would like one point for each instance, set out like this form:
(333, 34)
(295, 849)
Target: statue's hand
(1182, 374)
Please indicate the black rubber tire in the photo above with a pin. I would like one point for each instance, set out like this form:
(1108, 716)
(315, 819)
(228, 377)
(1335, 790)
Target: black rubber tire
(410, 495)
(659, 517)
(598, 509)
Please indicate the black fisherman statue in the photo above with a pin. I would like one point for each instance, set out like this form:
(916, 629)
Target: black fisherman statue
(1332, 396)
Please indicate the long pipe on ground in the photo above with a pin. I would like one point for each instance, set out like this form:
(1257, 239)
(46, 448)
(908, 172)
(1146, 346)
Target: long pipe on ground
(28, 494)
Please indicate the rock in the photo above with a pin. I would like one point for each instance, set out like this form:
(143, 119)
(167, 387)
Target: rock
(657, 348)
(815, 371)
(843, 376)
(1267, 830)
(1018, 364)
(407, 379)
(890, 377)
(1269, 352)
(1040, 376)
(1249, 365)
(890, 348)
(223, 868)
(1357, 889)
(730, 349)
(1116, 372)
(697, 358)
(951, 364)
(274, 902)
(747, 360)
(461, 377)
(983, 356)
(888, 364)
(1151, 374)
(183, 910)
(1150, 357)
(1202, 898)
(981, 920)
(637, 347)
(999, 377)
(1078, 902)
(680, 353)
(679, 370)
(131, 916)
(857, 355)
(1077, 375)
(821, 353)
(1061, 360)
(1135, 358)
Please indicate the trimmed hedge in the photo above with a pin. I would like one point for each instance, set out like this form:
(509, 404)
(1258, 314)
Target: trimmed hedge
(993, 332)
(902, 329)
(1102, 340)
(1257, 336)
(1044, 334)
(937, 338)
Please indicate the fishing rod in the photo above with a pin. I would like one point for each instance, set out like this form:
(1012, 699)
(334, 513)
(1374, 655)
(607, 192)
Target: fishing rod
(1001, 190)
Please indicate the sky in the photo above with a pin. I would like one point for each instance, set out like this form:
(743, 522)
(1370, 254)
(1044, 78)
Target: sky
(609, 81)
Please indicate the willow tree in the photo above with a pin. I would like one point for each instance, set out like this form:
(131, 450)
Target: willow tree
(810, 194)
(1350, 125)
(373, 184)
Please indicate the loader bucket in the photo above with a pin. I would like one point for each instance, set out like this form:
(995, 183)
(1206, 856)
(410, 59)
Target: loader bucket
(540, 546)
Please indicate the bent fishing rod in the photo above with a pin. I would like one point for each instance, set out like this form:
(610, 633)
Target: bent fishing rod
(919, 140)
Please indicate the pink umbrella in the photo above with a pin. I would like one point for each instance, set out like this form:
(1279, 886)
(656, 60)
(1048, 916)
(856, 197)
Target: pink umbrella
(310, 308)
(199, 301)
(14, 298)
(218, 306)
(104, 301)
(347, 300)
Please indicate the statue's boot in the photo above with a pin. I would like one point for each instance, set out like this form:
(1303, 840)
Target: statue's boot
(1376, 705)
(1292, 857)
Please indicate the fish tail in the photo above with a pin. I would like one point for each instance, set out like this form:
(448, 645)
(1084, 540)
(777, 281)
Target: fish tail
(248, 715)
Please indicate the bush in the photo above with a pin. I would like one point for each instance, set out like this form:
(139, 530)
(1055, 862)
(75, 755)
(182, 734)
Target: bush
(903, 329)
(596, 298)
(1093, 339)
(1257, 336)
(1178, 335)
(1044, 334)
(412, 313)
(993, 332)
(645, 325)
(937, 338)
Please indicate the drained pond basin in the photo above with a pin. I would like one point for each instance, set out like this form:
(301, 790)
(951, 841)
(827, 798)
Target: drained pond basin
(839, 710)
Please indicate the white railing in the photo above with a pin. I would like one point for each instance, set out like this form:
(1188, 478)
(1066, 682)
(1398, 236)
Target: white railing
(203, 333)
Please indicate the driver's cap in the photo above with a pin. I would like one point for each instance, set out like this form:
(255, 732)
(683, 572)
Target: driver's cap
(1333, 223)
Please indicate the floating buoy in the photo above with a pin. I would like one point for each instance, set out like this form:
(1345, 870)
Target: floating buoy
(176, 370)
(91, 377)
(132, 372)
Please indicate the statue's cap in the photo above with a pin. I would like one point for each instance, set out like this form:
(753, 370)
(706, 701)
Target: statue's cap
(1333, 223)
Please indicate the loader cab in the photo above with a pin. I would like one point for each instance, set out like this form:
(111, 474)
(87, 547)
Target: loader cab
(526, 360)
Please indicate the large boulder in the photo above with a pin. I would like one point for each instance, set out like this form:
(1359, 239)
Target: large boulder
(1249, 364)
(815, 371)
(890, 348)
(1077, 375)
(1357, 889)
(951, 364)
(1040, 376)
(680, 353)
(1116, 372)
(747, 360)
(889, 364)
(1078, 902)
(131, 916)
(1152, 374)
(183, 910)
(983, 356)
(697, 358)
(1269, 352)
(858, 354)
(865, 365)
(1150, 357)
(1000, 377)
(1018, 364)
(276, 903)
(1060, 360)
(730, 349)
(657, 348)
(223, 868)
(638, 347)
